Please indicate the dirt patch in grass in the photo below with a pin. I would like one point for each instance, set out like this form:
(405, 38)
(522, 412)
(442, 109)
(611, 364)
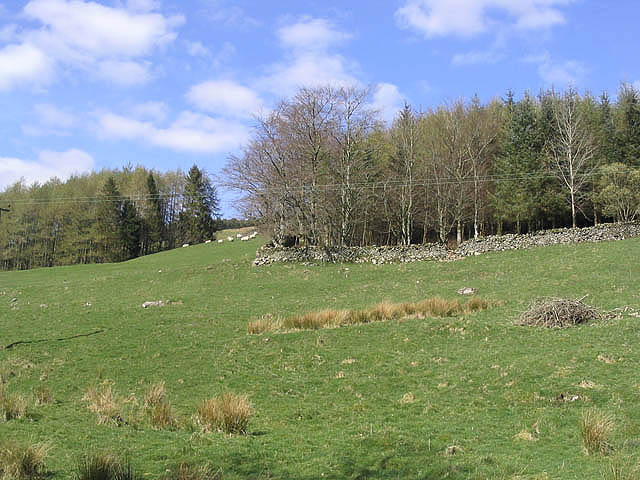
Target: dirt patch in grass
(381, 312)
(559, 313)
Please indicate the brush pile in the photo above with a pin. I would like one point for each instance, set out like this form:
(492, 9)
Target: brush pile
(558, 313)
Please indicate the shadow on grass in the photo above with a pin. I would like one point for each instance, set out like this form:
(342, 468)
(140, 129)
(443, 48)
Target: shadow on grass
(349, 467)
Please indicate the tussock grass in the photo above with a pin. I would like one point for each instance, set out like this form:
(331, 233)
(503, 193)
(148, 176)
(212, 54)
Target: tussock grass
(380, 312)
(158, 408)
(105, 403)
(558, 313)
(184, 471)
(44, 396)
(620, 469)
(156, 395)
(12, 406)
(228, 413)
(105, 466)
(22, 462)
(596, 429)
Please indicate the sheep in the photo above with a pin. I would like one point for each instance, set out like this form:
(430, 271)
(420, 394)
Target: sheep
(220, 241)
(244, 239)
(238, 235)
(230, 239)
(185, 245)
(208, 241)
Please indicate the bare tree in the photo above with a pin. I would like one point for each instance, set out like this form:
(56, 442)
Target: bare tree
(572, 151)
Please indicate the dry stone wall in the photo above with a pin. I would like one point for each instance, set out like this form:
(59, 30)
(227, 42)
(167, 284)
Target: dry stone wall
(434, 251)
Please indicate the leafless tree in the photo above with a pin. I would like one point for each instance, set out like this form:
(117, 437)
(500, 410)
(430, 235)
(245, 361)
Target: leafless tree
(572, 151)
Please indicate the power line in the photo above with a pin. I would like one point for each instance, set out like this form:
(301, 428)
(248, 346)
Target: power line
(307, 188)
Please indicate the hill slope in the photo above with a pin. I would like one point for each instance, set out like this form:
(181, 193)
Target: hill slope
(375, 401)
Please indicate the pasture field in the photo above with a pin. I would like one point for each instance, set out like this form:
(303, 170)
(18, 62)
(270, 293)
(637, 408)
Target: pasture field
(467, 397)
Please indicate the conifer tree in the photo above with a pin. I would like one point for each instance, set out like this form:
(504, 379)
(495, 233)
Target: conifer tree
(200, 207)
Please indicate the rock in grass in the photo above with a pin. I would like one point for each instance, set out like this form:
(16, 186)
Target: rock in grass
(155, 303)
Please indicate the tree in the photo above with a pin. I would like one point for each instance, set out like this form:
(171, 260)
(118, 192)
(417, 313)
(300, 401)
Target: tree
(200, 207)
(618, 191)
(404, 133)
(572, 151)
(154, 217)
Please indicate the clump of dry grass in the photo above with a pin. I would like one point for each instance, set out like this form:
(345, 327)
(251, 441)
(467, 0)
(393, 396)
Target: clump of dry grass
(558, 313)
(184, 471)
(380, 312)
(105, 403)
(596, 429)
(105, 466)
(228, 413)
(621, 469)
(12, 406)
(44, 396)
(21, 462)
(158, 408)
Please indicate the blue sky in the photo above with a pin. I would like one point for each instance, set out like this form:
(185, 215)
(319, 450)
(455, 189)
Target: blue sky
(166, 84)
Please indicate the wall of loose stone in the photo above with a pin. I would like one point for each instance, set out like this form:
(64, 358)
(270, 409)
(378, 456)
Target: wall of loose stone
(434, 251)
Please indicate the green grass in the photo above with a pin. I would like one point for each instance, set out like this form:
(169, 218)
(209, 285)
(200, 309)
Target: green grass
(382, 400)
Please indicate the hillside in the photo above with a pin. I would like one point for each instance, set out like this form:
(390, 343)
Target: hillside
(382, 400)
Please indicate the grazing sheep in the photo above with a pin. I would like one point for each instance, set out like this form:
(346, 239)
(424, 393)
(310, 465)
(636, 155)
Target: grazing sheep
(220, 241)
(230, 239)
(208, 241)
(244, 239)
(238, 235)
(185, 245)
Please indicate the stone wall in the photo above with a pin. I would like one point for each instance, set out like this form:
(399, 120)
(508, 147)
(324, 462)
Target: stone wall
(434, 251)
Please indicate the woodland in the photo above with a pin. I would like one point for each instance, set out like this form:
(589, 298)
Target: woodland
(323, 169)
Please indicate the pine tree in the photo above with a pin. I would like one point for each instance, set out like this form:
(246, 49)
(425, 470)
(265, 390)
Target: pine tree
(200, 207)
(154, 218)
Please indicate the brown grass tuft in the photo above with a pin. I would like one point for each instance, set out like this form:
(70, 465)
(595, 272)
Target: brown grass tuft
(156, 394)
(105, 403)
(596, 429)
(44, 396)
(228, 413)
(105, 466)
(381, 312)
(558, 313)
(12, 406)
(184, 471)
(162, 416)
(22, 462)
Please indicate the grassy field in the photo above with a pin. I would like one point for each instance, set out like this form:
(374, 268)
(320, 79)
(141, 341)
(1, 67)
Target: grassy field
(381, 400)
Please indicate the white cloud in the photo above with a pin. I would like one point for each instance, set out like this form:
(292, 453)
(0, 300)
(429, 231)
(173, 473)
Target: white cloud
(124, 72)
(103, 31)
(387, 100)
(88, 36)
(24, 63)
(471, 17)
(143, 5)
(51, 116)
(230, 15)
(190, 132)
(225, 97)
(563, 74)
(155, 111)
(311, 34)
(309, 61)
(48, 165)
(476, 58)
(197, 49)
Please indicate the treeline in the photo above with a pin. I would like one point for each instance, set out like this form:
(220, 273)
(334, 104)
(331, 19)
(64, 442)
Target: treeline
(105, 216)
(322, 170)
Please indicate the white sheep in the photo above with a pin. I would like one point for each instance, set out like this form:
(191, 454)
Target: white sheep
(208, 241)
(244, 239)
(230, 239)
(220, 241)
(185, 245)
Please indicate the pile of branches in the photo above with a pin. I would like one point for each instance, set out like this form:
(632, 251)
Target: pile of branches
(559, 313)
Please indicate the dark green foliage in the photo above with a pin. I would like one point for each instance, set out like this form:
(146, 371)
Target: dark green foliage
(200, 208)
